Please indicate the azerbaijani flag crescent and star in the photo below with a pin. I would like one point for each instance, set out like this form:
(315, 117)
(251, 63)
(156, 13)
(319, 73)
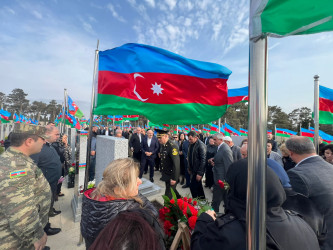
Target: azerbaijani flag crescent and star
(238, 95)
(284, 132)
(163, 86)
(325, 105)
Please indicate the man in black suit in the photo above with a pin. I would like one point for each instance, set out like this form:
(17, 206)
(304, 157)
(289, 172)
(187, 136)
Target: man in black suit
(206, 139)
(150, 148)
(135, 144)
(196, 159)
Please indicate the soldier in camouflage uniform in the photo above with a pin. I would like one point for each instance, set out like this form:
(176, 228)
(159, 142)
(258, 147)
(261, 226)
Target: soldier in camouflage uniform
(170, 162)
(25, 194)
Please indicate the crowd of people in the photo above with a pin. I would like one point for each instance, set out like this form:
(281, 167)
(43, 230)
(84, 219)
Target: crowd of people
(116, 216)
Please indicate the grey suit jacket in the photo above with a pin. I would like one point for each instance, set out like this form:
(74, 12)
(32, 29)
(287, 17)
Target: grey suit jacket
(314, 178)
(222, 160)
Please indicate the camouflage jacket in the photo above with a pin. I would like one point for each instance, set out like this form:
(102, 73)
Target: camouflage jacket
(25, 198)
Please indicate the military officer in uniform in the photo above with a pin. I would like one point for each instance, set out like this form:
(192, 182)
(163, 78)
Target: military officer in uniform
(170, 163)
(25, 194)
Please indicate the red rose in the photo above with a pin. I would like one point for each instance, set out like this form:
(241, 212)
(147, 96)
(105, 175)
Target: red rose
(185, 199)
(191, 221)
(162, 213)
(195, 203)
(167, 210)
(180, 203)
(172, 201)
(221, 184)
(189, 200)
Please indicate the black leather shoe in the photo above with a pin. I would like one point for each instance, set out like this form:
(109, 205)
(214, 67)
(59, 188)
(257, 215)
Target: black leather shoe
(185, 186)
(151, 179)
(46, 248)
(53, 231)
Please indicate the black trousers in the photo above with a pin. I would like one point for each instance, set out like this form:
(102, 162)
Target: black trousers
(219, 195)
(168, 190)
(137, 156)
(145, 162)
(53, 187)
(196, 188)
(209, 176)
(92, 168)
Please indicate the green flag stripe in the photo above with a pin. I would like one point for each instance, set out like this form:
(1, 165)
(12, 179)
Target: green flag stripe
(282, 135)
(188, 113)
(325, 117)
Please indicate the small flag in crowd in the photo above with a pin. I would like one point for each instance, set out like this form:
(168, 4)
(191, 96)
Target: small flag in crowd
(74, 109)
(284, 132)
(327, 139)
(325, 105)
(187, 129)
(205, 130)
(243, 131)
(306, 132)
(231, 130)
(4, 116)
(150, 81)
(131, 117)
(213, 127)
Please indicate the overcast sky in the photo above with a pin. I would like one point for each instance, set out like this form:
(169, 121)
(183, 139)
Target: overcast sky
(46, 46)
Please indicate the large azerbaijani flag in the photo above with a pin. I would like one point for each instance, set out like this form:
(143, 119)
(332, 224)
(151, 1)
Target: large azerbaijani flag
(74, 109)
(163, 86)
(325, 105)
(238, 95)
(284, 132)
(290, 17)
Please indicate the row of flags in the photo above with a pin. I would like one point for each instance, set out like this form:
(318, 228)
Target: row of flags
(16, 118)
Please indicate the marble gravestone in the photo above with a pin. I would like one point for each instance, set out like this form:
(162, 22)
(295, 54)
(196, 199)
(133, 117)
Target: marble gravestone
(72, 141)
(108, 149)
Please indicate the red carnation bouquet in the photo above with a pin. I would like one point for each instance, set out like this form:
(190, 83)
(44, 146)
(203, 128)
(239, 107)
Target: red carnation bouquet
(184, 209)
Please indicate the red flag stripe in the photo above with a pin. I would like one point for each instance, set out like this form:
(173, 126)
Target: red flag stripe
(325, 105)
(176, 88)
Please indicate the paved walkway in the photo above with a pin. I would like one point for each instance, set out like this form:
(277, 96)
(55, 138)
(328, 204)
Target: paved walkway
(69, 236)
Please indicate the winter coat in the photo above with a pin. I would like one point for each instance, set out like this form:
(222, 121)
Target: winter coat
(96, 213)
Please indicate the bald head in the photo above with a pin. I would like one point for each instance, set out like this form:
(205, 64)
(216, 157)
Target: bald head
(300, 147)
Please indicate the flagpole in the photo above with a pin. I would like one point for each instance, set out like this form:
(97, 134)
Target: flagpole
(92, 105)
(219, 125)
(2, 137)
(256, 186)
(63, 113)
(316, 113)
(66, 109)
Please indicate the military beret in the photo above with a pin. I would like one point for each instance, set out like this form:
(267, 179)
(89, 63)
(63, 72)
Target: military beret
(23, 128)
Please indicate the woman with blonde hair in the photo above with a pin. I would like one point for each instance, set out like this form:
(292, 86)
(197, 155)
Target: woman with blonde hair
(117, 192)
(287, 161)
